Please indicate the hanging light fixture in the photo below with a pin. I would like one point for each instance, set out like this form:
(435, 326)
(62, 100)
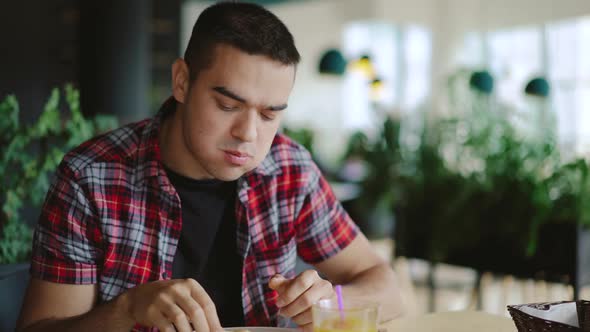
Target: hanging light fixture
(376, 91)
(538, 86)
(364, 65)
(482, 81)
(332, 62)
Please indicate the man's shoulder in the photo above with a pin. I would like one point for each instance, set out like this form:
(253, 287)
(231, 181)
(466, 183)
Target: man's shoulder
(119, 146)
(287, 153)
(287, 158)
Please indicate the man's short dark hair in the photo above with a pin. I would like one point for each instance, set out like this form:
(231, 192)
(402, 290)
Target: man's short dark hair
(248, 27)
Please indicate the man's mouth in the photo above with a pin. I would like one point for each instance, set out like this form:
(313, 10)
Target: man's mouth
(236, 158)
(238, 153)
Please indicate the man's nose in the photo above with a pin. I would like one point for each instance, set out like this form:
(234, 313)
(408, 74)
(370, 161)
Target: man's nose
(245, 126)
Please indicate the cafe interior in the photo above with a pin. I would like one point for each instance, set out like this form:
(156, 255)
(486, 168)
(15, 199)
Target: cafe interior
(455, 133)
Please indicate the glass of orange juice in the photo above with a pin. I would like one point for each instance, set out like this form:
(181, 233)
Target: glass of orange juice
(356, 316)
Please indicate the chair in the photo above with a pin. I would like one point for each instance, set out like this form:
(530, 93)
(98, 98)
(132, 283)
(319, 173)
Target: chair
(12, 290)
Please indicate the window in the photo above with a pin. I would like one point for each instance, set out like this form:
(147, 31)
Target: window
(401, 58)
(378, 41)
(568, 53)
(515, 57)
(417, 51)
(556, 50)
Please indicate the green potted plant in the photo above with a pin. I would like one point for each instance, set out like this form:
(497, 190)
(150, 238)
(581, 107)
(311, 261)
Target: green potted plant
(303, 136)
(477, 192)
(380, 159)
(29, 153)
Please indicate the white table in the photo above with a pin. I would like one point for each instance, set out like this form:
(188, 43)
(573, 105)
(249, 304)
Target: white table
(455, 321)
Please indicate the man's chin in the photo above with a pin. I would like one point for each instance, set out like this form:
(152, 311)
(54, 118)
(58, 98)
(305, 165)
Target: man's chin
(230, 174)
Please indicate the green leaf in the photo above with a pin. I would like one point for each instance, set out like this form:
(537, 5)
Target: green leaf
(15, 243)
(28, 159)
(103, 123)
(9, 111)
(49, 122)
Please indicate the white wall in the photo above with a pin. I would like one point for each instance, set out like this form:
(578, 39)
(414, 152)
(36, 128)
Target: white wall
(316, 99)
(504, 13)
(422, 12)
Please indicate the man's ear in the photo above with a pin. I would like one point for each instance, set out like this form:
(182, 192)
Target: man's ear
(180, 80)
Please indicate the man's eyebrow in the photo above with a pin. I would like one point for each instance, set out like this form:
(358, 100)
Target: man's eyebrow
(277, 108)
(224, 91)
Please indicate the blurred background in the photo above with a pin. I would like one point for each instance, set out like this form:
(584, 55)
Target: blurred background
(455, 132)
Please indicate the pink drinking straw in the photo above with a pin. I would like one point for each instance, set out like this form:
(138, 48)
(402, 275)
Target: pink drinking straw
(338, 289)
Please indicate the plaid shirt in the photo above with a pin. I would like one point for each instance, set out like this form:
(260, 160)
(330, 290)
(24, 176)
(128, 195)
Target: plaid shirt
(112, 217)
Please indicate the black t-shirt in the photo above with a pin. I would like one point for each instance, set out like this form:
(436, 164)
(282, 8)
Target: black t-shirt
(207, 250)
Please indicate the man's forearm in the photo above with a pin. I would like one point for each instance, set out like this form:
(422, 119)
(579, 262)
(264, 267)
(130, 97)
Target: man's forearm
(378, 284)
(110, 316)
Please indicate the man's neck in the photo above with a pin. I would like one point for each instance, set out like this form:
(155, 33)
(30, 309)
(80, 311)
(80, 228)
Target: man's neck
(173, 151)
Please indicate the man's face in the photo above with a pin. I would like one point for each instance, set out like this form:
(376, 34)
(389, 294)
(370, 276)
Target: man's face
(232, 111)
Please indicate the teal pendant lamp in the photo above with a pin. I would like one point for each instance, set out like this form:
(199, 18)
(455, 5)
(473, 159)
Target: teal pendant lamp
(482, 81)
(332, 62)
(538, 86)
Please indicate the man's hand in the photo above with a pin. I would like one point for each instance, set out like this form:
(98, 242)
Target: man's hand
(297, 295)
(172, 305)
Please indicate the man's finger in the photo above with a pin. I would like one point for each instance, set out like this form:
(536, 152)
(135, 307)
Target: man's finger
(307, 327)
(177, 317)
(212, 317)
(192, 309)
(182, 324)
(321, 289)
(296, 287)
(277, 282)
(161, 322)
(303, 318)
(207, 308)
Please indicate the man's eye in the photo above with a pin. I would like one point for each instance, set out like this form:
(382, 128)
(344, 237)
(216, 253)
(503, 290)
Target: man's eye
(226, 108)
(266, 117)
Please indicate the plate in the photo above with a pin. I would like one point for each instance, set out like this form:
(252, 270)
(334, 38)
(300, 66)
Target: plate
(261, 329)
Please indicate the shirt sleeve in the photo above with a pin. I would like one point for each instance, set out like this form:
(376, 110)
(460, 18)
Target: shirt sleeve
(66, 239)
(323, 227)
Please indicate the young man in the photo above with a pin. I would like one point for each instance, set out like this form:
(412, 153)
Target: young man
(194, 219)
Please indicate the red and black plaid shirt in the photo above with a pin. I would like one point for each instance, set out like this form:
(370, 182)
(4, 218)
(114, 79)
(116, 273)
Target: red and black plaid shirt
(112, 217)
